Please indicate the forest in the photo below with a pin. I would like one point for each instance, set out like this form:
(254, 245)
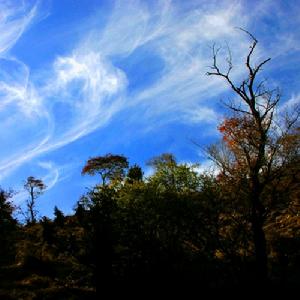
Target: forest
(237, 227)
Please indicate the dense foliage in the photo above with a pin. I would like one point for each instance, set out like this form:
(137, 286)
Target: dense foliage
(177, 225)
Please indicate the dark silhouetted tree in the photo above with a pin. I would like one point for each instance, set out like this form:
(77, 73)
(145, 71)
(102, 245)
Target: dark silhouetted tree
(59, 217)
(8, 226)
(35, 187)
(102, 205)
(251, 155)
(135, 173)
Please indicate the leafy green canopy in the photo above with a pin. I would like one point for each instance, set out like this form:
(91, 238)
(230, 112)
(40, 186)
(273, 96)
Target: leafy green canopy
(110, 167)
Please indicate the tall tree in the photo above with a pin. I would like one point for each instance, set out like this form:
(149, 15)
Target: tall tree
(35, 187)
(111, 169)
(252, 154)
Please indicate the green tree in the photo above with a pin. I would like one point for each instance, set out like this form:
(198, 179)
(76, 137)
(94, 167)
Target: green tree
(110, 167)
(167, 232)
(169, 175)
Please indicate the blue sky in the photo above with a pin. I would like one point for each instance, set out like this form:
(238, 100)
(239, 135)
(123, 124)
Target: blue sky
(83, 78)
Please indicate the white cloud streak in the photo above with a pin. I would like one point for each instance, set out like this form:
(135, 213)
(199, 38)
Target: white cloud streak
(15, 17)
(85, 89)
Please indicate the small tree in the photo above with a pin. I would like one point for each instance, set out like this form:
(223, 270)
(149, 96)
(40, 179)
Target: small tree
(35, 187)
(110, 167)
(135, 173)
(59, 217)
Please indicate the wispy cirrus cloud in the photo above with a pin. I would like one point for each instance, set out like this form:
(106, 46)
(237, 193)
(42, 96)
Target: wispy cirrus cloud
(15, 86)
(111, 70)
(15, 17)
(71, 112)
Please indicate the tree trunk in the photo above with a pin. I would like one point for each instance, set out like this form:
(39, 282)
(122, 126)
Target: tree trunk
(259, 242)
(103, 250)
(31, 205)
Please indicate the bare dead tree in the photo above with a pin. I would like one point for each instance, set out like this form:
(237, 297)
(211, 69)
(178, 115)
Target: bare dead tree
(255, 140)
